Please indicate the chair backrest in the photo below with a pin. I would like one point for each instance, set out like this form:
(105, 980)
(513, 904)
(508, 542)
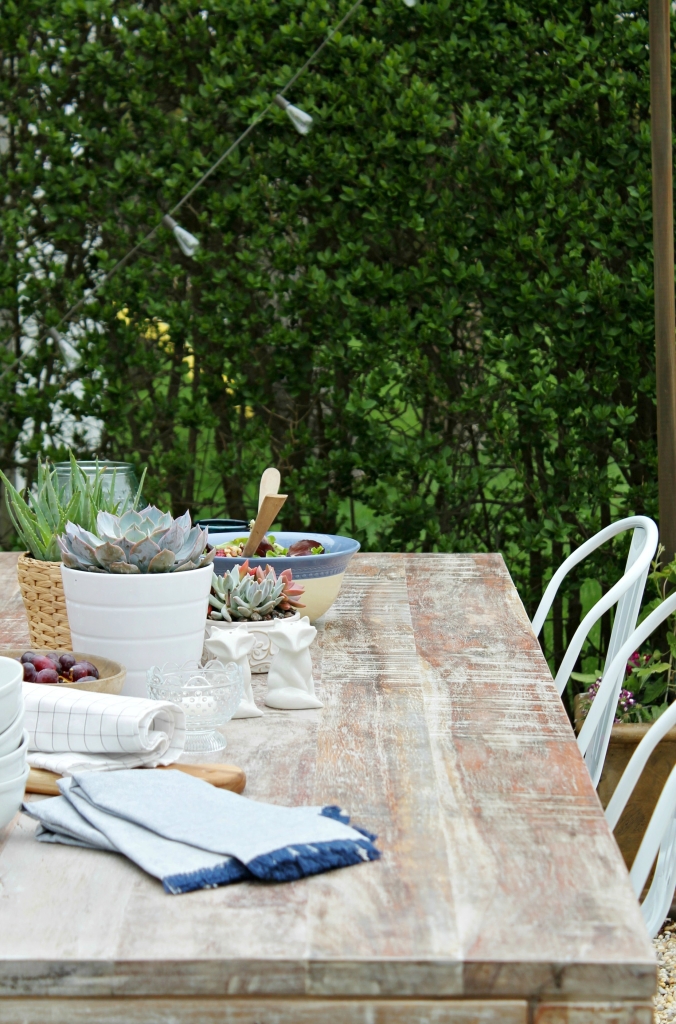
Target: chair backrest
(627, 593)
(659, 840)
(602, 714)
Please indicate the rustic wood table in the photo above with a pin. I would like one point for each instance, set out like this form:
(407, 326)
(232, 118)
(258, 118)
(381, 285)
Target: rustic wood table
(500, 896)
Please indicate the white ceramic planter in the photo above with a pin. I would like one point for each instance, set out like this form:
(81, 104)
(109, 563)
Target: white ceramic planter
(139, 620)
(264, 650)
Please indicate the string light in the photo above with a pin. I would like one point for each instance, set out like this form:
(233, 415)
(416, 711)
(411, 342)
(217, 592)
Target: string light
(187, 243)
(301, 121)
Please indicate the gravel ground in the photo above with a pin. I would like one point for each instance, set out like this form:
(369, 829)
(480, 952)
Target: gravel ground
(665, 948)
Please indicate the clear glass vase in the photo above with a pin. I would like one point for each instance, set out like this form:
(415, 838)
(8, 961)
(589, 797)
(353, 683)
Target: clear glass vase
(119, 478)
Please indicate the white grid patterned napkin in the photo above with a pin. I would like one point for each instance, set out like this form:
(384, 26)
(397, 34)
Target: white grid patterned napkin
(78, 730)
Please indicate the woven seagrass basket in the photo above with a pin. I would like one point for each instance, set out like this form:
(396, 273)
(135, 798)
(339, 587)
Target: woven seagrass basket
(42, 593)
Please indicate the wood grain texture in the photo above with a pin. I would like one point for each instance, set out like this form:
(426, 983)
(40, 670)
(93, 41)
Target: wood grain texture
(442, 732)
(521, 812)
(224, 776)
(594, 1013)
(13, 621)
(254, 1011)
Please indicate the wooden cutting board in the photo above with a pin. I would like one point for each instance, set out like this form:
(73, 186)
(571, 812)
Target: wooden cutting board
(225, 776)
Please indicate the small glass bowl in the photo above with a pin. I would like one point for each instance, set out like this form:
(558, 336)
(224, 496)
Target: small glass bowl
(209, 695)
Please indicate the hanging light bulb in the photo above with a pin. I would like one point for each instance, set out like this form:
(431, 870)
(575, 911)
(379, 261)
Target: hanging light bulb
(187, 243)
(301, 121)
(67, 351)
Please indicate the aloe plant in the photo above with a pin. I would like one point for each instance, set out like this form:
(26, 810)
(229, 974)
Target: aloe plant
(42, 514)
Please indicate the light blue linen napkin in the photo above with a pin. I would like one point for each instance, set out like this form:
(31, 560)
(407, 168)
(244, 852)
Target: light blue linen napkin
(192, 835)
(177, 865)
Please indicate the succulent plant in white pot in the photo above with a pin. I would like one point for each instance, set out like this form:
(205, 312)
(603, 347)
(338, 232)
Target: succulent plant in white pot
(253, 595)
(257, 599)
(137, 590)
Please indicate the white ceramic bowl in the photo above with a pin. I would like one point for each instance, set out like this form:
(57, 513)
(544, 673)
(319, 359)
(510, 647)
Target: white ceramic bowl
(11, 737)
(11, 695)
(13, 765)
(11, 671)
(11, 796)
(321, 575)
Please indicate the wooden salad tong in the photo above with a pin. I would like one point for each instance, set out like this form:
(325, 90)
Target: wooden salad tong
(269, 504)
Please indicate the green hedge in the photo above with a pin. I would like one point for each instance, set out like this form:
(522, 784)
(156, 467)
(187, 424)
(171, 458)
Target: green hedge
(433, 313)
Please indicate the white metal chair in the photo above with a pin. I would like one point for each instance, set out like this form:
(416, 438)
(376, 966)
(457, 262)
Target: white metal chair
(659, 840)
(627, 592)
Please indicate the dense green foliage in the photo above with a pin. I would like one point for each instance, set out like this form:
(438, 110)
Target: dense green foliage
(433, 313)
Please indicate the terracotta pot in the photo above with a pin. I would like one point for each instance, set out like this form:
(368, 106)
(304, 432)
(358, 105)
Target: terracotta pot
(624, 740)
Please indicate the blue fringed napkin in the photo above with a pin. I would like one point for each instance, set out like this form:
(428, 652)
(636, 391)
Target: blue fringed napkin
(192, 835)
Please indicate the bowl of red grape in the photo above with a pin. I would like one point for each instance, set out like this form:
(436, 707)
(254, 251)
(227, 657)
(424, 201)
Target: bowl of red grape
(68, 668)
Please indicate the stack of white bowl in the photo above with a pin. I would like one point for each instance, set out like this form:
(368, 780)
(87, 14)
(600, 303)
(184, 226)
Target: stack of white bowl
(13, 740)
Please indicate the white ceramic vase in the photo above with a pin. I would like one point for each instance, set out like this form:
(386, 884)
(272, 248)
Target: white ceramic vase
(138, 620)
(264, 649)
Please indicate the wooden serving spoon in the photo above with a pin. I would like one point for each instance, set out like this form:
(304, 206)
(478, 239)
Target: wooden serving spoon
(267, 514)
(270, 484)
(224, 776)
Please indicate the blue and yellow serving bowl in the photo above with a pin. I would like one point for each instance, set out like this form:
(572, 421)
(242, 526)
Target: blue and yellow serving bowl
(320, 575)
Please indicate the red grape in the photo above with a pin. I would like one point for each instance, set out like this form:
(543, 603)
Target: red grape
(87, 679)
(66, 662)
(84, 669)
(28, 657)
(29, 672)
(41, 661)
(47, 675)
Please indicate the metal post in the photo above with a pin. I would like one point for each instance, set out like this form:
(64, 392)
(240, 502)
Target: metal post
(663, 239)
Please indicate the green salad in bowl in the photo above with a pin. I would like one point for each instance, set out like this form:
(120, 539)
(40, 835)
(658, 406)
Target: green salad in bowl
(269, 547)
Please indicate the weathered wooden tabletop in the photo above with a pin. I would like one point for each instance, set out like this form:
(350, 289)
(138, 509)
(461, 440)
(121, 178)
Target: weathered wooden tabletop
(500, 896)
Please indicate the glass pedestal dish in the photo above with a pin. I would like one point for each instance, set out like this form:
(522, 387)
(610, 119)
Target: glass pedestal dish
(209, 695)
